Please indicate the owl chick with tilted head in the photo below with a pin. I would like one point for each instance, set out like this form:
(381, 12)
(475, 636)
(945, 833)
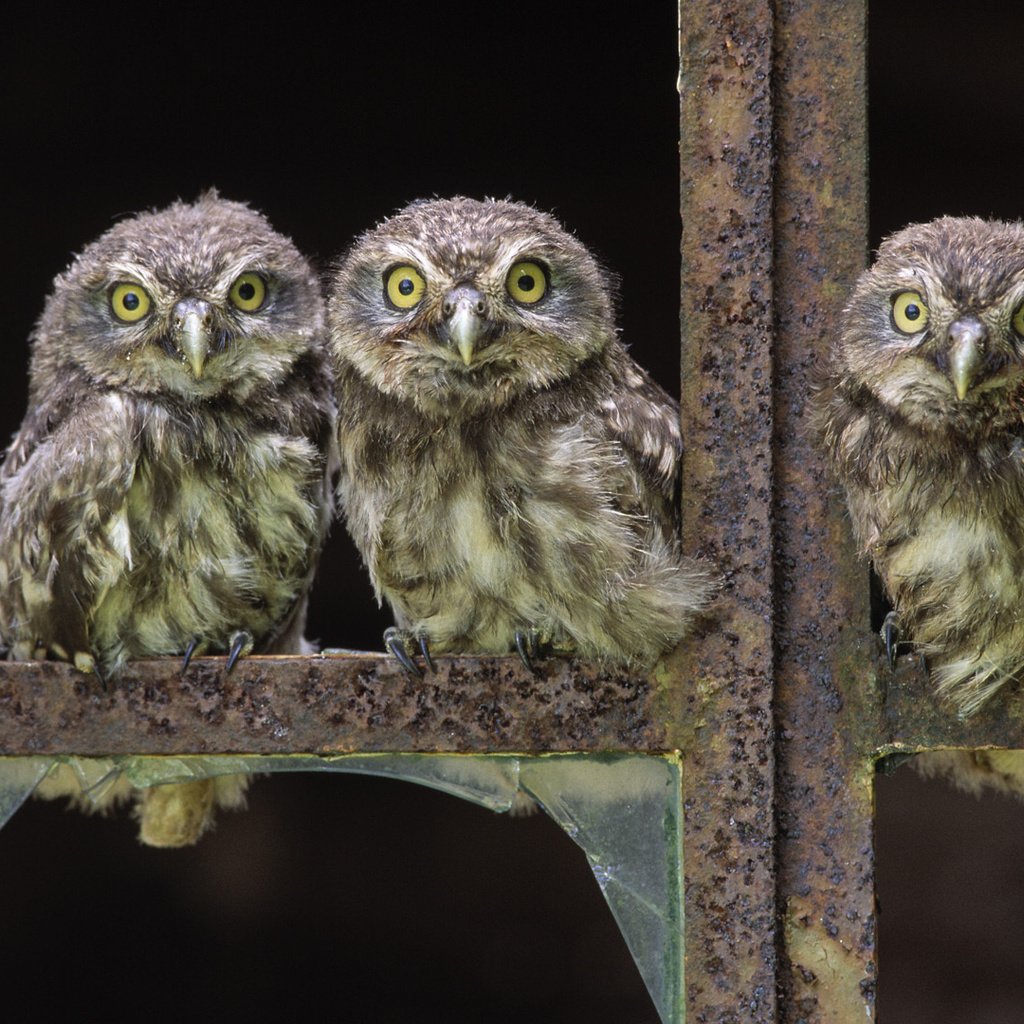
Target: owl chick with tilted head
(168, 492)
(509, 473)
(922, 419)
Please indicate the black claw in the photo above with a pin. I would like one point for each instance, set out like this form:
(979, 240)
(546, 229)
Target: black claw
(891, 636)
(535, 651)
(101, 677)
(425, 651)
(395, 643)
(238, 644)
(526, 644)
(189, 651)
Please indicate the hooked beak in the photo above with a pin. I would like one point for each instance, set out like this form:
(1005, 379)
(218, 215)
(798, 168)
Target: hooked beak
(463, 311)
(966, 353)
(192, 332)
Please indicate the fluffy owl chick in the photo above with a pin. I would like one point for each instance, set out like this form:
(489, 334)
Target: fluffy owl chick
(922, 422)
(508, 472)
(168, 490)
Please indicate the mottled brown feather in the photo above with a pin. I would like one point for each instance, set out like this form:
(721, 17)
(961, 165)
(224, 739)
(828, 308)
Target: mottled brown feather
(147, 505)
(534, 487)
(935, 483)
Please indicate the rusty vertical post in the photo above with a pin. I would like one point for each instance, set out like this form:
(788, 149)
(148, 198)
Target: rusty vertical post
(825, 700)
(774, 231)
(725, 728)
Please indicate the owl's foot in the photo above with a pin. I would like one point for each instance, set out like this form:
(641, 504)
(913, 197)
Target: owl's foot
(241, 643)
(86, 664)
(400, 643)
(891, 638)
(529, 647)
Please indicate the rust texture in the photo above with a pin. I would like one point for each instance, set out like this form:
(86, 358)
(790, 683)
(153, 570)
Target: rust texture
(912, 718)
(826, 701)
(324, 705)
(723, 720)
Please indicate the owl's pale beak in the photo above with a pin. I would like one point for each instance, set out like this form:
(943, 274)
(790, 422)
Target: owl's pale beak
(193, 322)
(463, 310)
(966, 353)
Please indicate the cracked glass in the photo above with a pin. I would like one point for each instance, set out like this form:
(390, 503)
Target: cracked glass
(624, 811)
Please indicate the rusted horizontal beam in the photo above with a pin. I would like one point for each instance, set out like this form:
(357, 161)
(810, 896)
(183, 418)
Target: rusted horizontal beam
(327, 704)
(911, 716)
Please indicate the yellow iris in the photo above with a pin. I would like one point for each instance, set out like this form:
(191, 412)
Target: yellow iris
(909, 313)
(404, 287)
(1018, 320)
(527, 282)
(129, 302)
(248, 293)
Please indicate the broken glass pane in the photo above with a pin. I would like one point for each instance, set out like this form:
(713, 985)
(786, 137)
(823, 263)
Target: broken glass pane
(624, 811)
(19, 776)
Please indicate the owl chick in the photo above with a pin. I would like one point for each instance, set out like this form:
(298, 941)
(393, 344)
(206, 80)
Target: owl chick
(921, 419)
(508, 472)
(168, 490)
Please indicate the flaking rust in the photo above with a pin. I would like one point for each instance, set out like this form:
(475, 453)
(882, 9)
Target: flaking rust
(365, 703)
(723, 693)
(826, 702)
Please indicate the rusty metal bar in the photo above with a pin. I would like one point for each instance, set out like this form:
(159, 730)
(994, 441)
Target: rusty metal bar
(825, 700)
(326, 705)
(724, 726)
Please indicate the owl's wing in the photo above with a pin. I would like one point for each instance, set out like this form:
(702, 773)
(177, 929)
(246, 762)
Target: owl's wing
(645, 420)
(303, 407)
(63, 530)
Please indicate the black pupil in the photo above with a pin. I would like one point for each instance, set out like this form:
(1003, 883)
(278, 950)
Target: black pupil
(912, 312)
(246, 291)
(526, 283)
(130, 301)
(406, 286)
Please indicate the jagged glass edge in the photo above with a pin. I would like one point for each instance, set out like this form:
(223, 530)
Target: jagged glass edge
(19, 776)
(623, 810)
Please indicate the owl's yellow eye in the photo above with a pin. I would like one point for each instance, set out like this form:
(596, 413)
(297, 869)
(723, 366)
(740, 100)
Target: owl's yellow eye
(909, 313)
(248, 293)
(527, 282)
(404, 286)
(129, 302)
(1018, 320)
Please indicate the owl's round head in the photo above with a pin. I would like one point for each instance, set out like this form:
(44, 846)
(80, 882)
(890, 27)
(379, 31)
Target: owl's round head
(197, 301)
(935, 329)
(464, 304)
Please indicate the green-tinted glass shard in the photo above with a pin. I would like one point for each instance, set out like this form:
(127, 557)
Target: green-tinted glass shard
(18, 777)
(626, 814)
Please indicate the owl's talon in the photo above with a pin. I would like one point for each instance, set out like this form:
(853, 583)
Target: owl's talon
(189, 651)
(528, 646)
(395, 642)
(424, 644)
(891, 637)
(241, 643)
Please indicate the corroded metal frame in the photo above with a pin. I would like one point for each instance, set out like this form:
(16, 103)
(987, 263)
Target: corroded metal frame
(778, 842)
(781, 706)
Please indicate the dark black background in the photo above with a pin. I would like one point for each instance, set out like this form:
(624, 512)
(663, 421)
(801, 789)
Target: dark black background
(366, 900)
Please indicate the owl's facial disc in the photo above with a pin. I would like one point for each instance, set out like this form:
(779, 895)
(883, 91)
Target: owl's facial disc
(192, 332)
(465, 323)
